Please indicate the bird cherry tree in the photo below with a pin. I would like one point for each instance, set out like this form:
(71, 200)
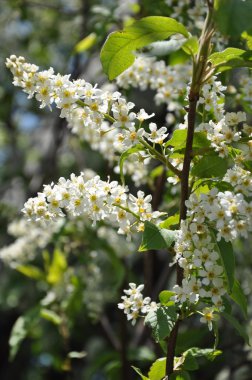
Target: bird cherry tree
(208, 155)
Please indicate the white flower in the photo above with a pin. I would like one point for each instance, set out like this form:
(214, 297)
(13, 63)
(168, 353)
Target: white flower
(134, 305)
(157, 135)
(209, 317)
(234, 118)
(142, 115)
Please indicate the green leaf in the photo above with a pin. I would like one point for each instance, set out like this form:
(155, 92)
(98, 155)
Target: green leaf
(18, 334)
(180, 375)
(188, 360)
(231, 58)
(137, 370)
(227, 305)
(86, 43)
(161, 321)
(156, 238)
(142, 354)
(210, 166)
(190, 363)
(239, 297)
(238, 327)
(208, 353)
(233, 16)
(171, 221)
(165, 297)
(116, 54)
(178, 57)
(134, 149)
(157, 171)
(191, 46)
(77, 354)
(248, 37)
(57, 267)
(157, 370)
(228, 261)
(51, 316)
(31, 271)
(20, 330)
(178, 140)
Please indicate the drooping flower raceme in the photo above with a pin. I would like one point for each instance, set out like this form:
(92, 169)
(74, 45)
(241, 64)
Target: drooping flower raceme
(102, 118)
(99, 200)
(196, 249)
(29, 237)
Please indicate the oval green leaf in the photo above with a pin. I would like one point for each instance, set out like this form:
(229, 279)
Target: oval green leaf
(228, 261)
(155, 237)
(210, 166)
(161, 321)
(230, 59)
(116, 54)
(239, 298)
(157, 370)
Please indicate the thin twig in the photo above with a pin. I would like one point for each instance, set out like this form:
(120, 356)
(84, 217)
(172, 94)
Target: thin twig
(110, 333)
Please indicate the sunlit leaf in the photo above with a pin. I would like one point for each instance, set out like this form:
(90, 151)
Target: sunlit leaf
(51, 316)
(165, 297)
(86, 43)
(116, 54)
(57, 267)
(31, 271)
(171, 221)
(191, 46)
(157, 370)
(137, 370)
(231, 58)
(248, 37)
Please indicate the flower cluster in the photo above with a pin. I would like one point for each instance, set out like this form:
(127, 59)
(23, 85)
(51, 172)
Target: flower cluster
(212, 97)
(169, 81)
(196, 248)
(240, 179)
(134, 304)
(29, 237)
(225, 132)
(88, 110)
(196, 253)
(97, 199)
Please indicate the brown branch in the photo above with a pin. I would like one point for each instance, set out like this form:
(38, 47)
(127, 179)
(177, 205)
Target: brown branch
(197, 78)
(110, 333)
